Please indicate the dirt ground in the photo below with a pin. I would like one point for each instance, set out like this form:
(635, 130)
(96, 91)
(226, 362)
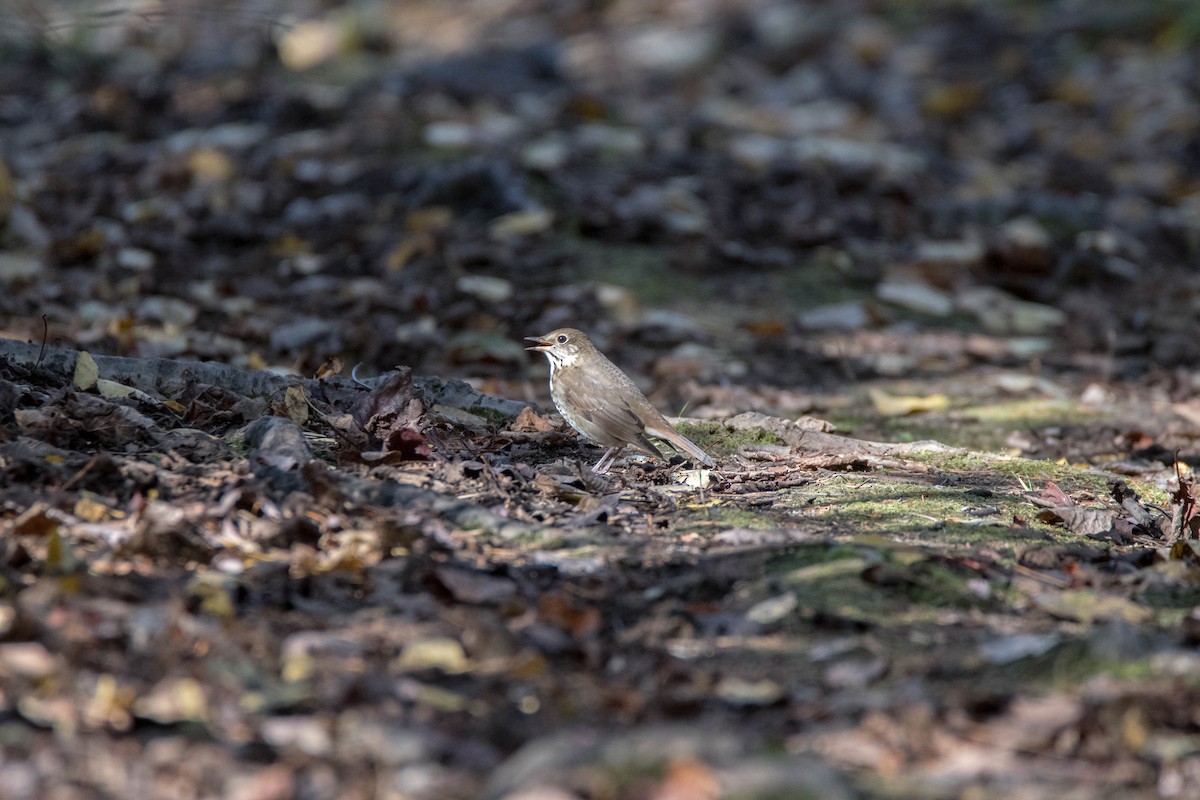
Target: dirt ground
(286, 511)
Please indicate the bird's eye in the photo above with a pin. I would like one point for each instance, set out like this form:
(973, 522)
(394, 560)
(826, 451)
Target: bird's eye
(562, 338)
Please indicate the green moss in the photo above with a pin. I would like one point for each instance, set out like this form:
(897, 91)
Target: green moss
(1063, 667)
(819, 281)
(1021, 470)
(646, 271)
(641, 269)
(795, 793)
(731, 517)
(984, 427)
(929, 583)
(809, 555)
(721, 440)
(237, 443)
(1170, 595)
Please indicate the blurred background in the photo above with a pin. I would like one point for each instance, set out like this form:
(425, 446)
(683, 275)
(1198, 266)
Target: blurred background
(748, 204)
(974, 221)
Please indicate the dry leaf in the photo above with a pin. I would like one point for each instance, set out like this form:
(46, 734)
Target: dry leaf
(296, 404)
(529, 421)
(521, 223)
(900, 405)
(86, 371)
(437, 652)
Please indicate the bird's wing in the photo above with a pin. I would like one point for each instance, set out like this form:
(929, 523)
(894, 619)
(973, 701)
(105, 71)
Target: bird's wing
(616, 418)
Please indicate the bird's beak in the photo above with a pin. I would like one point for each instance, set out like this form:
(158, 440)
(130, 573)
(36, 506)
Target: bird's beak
(539, 344)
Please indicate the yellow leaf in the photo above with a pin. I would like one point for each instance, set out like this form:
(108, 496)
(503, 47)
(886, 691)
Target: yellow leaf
(173, 700)
(309, 43)
(296, 405)
(290, 245)
(433, 219)
(109, 706)
(438, 698)
(215, 592)
(209, 165)
(900, 405)
(89, 509)
(521, 223)
(113, 389)
(402, 253)
(952, 99)
(86, 371)
(437, 652)
(527, 664)
(297, 667)
(60, 556)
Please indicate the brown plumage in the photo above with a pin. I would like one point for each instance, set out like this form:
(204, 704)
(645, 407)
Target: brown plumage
(600, 401)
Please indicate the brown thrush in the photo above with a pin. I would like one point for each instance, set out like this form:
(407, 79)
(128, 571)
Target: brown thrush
(600, 401)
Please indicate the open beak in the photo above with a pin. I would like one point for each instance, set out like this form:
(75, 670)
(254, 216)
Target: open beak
(539, 344)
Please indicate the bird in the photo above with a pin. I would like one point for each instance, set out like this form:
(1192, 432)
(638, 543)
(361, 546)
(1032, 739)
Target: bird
(601, 402)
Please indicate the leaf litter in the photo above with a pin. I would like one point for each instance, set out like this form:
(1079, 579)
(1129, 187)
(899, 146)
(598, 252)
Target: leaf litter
(234, 582)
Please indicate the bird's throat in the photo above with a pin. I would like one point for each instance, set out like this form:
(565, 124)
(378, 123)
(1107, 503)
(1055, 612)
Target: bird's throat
(559, 360)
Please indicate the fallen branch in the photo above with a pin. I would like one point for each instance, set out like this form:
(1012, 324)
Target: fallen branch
(167, 377)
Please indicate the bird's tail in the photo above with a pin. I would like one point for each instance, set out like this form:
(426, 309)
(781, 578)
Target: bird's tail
(682, 444)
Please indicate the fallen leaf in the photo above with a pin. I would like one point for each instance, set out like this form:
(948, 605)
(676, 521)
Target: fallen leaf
(438, 652)
(741, 692)
(488, 288)
(308, 734)
(330, 368)
(568, 614)
(30, 660)
(296, 404)
(521, 223)
(109, 705)
(433, 696)
(688, 779)
(1084, 521)
(478, 588)
(1014, 647)
(86, 371)
(431, 219)
(900, 405)
(915, 296)
(173, 700)
(36, 520)
(1051, 496)
(409, 444)
(392, 404)
(695, 478)
(307, 43)
(773, 609)
(209, 165)
(90, 509)
(529, 421)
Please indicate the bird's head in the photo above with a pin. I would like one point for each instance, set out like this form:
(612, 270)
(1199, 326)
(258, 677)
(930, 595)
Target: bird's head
(562, 346)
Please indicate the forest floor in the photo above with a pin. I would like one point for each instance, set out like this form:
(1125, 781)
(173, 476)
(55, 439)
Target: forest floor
(922, 279)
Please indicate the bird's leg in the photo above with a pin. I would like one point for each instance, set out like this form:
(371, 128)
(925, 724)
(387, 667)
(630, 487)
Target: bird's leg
(610, 455)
